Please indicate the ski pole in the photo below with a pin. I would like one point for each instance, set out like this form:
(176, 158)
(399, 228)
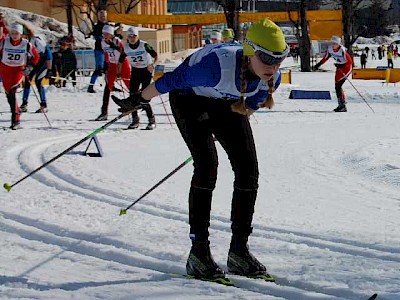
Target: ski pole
(360, 95)
(165, 109)
(347, 78)
(373, 297)
(8, 186)
(41, 108)
(124, 210)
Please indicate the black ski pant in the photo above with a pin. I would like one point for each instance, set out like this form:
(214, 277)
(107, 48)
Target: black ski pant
(141, 76)
(390, 63)
(12, 101)
(106, 100)
(199, 120)
(339, 91)
(39, 72)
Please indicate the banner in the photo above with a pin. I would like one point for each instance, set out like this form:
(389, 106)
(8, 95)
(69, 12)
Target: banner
(207, 19)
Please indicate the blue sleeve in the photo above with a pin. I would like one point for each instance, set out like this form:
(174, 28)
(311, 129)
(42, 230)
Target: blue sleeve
(252, 102)
(48, 53)
(207, 73)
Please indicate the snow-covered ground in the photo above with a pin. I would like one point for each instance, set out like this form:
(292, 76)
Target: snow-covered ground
(326, 221)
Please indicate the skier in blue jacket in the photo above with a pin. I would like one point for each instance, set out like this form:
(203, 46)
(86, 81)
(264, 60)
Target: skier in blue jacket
(42, 70)
(212, 93)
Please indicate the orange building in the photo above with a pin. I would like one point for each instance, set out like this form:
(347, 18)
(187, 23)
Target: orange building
(186, 37)
(57, 8)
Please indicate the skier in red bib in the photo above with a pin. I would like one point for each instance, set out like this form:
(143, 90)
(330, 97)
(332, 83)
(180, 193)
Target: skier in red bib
(344, 65)
(18, 57)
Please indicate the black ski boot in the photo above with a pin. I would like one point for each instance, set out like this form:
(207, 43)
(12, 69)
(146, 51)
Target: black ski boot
(200, 263)
(241, 261)
(341, 108)
(15, 126)
(135, 121)
(23, 107)
(42, 109)
(91, 89)
(102, 117)
(152, 124)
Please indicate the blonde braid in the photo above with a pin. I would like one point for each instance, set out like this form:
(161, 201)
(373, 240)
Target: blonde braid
(240, 106)
(269, 102)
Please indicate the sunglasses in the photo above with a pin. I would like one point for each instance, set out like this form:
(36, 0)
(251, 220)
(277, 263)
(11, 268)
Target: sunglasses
(132, 35)
(268, 57)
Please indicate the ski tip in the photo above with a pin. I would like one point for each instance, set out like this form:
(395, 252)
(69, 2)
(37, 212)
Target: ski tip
(373, 297)
(7, 186)
(122, 211)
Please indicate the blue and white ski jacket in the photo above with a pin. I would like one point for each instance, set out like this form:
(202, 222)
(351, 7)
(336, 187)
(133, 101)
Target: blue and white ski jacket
(214, 72)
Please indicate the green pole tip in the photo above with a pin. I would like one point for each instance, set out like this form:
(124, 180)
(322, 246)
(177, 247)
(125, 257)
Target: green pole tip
(7, 186)
(122, 211)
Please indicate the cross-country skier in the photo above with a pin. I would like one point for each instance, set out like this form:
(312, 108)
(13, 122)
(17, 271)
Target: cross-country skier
(142, 58)
(344, 65)
(115, 66)
(98, 51)
(40, 71)
(18, 58)
(212, 93)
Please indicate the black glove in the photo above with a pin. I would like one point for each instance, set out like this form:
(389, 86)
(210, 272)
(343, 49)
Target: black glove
(132, 103)
(339, 65)
(49, 74)
(316, 67)
(28, 70)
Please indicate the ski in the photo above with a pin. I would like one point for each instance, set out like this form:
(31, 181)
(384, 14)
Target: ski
(316, 111)
(219, 280)
(229, 280)
(265, 277)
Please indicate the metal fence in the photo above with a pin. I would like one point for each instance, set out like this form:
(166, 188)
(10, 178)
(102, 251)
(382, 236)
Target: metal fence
(85, 60)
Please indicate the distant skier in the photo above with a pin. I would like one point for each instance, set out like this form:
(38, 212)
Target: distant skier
(68, 64)
(228, 35)
(142, 58)
(216, 37)
(40, 71)
(363, 59)
(98, 51)
(115, 66)
(18, 57)
(373, 56)
(390, 57)
(344, 65)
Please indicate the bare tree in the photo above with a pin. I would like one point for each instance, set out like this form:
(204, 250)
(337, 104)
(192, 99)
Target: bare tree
(302, 32)
(231, 11)
(86, 14)
(69, 17)
(354, 11)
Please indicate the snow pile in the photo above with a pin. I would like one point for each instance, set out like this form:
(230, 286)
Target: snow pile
(48, 28)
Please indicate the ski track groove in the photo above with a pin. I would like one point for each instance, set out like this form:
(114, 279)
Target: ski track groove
(81, 188)
(91, 192)
(88, 245)
(88, 191)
